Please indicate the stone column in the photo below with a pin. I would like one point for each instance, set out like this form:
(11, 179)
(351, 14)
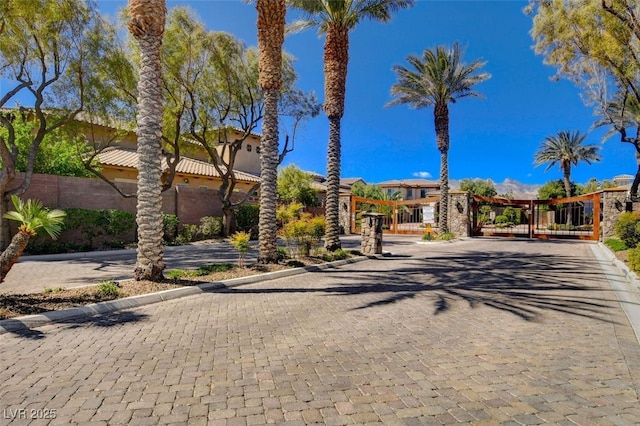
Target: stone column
(613, 205)
(371, 233)
(460, 213)
(344, 216)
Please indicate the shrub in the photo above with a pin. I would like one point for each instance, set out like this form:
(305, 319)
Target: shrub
(501, 219)
(108, 289)
(187, 234)
(512, 214)
(627, 229)
(615, 244)
(240, 241)
(210, 226)
(210, 269)
(446, 236)
(339, 254)
(303, 234)
(247, 220)
(170, 225)
(634, 259)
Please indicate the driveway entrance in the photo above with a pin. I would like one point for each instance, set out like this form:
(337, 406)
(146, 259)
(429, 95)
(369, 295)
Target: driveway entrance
(566, 218)
(400, 217)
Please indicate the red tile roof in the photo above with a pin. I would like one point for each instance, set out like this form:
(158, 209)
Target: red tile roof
(118, 157)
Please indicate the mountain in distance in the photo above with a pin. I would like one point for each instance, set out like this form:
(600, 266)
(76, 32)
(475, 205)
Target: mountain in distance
(519, 190)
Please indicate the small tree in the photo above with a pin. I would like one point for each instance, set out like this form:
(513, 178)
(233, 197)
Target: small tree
(485, 188)
(294, 185)
(240, 241)
(32, 217)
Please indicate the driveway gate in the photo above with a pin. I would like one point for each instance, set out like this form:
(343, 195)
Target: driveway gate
(400, 217)
(568, 218)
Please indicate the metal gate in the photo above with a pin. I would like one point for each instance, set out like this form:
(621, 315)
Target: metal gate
(400, 217)
(567, 218)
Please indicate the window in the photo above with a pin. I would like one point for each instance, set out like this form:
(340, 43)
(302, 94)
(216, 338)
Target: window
(257, 150)
(248, 147)
(409, 193)
(423, 193)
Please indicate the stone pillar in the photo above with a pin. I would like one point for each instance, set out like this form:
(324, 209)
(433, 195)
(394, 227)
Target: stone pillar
(460, 213)
(372, 233)
(344, 214)
(613, 205)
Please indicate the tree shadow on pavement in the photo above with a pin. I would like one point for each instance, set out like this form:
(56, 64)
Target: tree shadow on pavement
(524, 285)
(23, 329)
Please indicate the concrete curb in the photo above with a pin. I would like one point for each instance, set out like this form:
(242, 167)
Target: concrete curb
(629, 274)
(33, 321)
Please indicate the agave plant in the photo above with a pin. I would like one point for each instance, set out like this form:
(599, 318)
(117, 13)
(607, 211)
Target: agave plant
(32, 217)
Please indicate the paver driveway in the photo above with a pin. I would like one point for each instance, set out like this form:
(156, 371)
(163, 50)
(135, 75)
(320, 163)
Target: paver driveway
(476, 332)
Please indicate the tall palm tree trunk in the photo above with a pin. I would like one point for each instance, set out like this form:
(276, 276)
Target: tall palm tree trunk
(13, 252)
(336, 59)
(566, 175)
(147, 26)
(441, 118)
(268, 252)
(271, 17)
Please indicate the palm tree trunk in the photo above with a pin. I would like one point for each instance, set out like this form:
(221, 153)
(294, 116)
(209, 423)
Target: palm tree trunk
(13, 252)
(336, 59)
(268, 250)
(147, 26)
(441, 118)
(271, 18)
(332, 220)
(566, 174)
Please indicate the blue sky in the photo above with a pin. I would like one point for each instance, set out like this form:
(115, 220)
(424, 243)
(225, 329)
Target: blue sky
(494, 137)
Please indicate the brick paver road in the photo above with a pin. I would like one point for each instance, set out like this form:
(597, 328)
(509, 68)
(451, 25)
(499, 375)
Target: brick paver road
(475, 332)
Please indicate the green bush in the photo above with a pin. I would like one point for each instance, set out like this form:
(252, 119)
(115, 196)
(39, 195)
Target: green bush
(627, 228)
(108, 289)
(615, 244)
(446, 236)
(170, 226)
(240, 241)
(634, 259)
(301, 231)
(187, 234)
(210, 226)
(501, 219)
(219, 267)
(512, 214)
(339, 254)
(247, 220)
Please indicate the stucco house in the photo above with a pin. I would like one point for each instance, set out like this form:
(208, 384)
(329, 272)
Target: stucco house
(411, 189)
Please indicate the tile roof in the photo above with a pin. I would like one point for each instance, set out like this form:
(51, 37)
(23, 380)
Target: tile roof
(118, 157)
(410, 183)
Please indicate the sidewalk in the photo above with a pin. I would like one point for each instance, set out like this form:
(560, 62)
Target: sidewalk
(477, 331)
(32, 274)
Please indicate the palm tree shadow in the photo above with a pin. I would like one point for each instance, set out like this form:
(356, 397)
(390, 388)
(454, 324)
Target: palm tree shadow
(524, 285)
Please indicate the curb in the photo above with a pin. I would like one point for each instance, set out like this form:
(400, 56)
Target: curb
(32, 321)
(628, 273)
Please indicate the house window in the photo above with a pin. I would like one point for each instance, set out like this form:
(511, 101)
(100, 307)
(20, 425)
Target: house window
(257, 150)
(423, 193)
(248, 147)
(409, 193)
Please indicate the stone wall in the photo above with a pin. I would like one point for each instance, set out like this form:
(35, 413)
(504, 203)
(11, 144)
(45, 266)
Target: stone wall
(613, 205)
(459, 213)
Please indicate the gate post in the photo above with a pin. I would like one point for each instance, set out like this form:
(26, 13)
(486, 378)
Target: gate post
(613, 205)
(459, 212)
(372, 233)
(344, 213)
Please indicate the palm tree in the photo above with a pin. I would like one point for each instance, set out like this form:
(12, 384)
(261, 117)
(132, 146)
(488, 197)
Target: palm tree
(271, 16)
(566, 149)
(336, 19)
(146, 25)
(438, 78)
(32, 217)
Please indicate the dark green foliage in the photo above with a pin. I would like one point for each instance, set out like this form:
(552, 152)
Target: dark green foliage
(170, 225)
(501, 219)
(105, 228)
(335, 255)
(627, 228)
(512, 214)
(220, 267)
(486, 188)
(210, 226)
(247, 219)
(615, 244)
(295, 264)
